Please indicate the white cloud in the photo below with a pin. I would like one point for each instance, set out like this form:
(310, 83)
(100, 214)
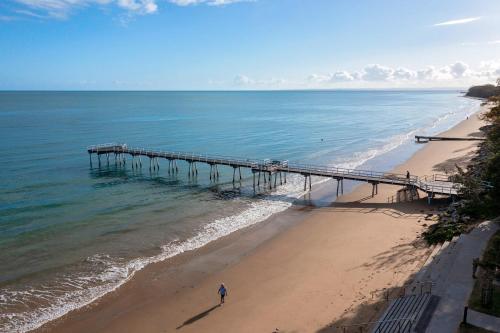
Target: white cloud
(245, 81)
(458, 69)
(489, 69)
(427, 74)
(482, 43)
(468, 43)
(404, 74)
(460, 21)
(341, 76)
(457, 74)
(139, 6)
(184, 2)
(491, 42)
(28, 13)
(127, 84)
(376, 75)
(489, 65)
(356, 75)
(377, 72)
(63, 8)
(319, 78)
(242, 80)
(225, 2)
(208, 2)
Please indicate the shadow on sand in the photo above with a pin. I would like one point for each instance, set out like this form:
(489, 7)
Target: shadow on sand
(364, 313)
(199, 316)
(412, 209)
(450, 165)
(361, 318)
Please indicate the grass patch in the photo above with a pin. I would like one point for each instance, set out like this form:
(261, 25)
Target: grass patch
(491, 256)
(475, 300)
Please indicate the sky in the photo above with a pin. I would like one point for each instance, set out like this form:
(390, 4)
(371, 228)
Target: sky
(256, 44)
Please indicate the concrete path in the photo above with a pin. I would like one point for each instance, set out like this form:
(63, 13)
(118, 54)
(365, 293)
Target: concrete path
(455, 283)
(483, 320)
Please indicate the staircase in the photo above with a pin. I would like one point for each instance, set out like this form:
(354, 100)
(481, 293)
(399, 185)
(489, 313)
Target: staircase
(404, 195)
(404, 313)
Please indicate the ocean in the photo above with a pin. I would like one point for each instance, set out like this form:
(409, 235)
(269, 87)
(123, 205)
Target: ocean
(71, 232)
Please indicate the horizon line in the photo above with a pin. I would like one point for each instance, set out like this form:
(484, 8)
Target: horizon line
(232, 90)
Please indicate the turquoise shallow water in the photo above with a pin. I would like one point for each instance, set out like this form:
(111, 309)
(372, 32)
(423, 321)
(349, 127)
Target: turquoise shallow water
(70, 232)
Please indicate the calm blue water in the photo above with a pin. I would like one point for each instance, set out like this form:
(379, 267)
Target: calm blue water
(70, 232)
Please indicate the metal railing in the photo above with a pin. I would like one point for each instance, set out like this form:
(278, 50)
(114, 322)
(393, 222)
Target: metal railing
(437, 177)
(436, 185)
(403, 324)
(344, 172)
(105, 145)
(422, 287)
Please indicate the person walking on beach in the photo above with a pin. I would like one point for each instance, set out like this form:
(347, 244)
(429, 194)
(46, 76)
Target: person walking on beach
(408, 175)
(223, 292)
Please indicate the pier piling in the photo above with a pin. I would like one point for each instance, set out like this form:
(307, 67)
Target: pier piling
(269, 167)
(340, 185)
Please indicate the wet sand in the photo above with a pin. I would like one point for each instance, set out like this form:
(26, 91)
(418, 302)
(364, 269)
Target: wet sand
(300, 271)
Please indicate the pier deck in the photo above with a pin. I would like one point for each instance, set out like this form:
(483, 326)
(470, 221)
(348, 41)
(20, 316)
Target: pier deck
(269, 167)
(425, 139)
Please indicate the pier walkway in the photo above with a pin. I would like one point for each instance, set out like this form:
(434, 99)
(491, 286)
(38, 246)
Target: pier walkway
(269, 168)
(425, 139)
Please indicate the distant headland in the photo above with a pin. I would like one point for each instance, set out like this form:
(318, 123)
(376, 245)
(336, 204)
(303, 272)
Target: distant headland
(483, 91)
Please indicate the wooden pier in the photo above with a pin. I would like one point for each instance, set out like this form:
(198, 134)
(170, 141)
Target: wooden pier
(425, 139)
(269, 169)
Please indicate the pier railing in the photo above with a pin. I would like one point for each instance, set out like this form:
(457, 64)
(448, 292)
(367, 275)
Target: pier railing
(436, 185)
(343, 172)
(437, 177)
(218, 159)
(425, 139)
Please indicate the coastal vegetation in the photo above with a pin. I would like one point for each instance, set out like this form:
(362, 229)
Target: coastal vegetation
(489, 264)
(481, 178)
(484, 91)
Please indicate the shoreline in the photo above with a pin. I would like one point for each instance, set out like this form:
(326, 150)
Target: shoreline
(190, 272)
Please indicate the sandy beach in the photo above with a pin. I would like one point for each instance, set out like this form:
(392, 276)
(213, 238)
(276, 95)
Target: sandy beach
(304, 270)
